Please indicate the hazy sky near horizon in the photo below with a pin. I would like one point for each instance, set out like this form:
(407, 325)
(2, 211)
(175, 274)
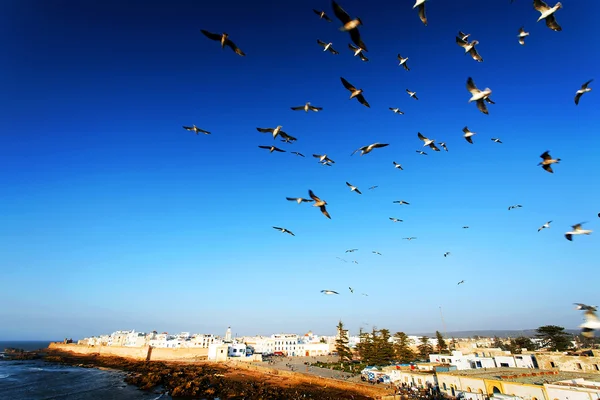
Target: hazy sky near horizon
(114, 217)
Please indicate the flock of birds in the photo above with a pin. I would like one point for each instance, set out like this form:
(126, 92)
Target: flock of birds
(480, 97)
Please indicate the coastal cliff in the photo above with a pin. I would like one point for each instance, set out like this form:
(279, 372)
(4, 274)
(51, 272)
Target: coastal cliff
(210, 380)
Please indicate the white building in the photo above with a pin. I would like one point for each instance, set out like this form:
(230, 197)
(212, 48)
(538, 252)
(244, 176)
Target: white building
(236, 350)
(286, 344)
(261, 344)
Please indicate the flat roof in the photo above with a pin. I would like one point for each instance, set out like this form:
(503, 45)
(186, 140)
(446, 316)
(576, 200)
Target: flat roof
(521, 375)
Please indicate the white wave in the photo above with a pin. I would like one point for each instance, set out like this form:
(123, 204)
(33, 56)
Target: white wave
(2, 376)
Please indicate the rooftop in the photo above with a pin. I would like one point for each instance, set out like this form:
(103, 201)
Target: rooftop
(522, 375)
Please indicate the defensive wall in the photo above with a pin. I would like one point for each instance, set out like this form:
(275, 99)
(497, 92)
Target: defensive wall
(146, 353)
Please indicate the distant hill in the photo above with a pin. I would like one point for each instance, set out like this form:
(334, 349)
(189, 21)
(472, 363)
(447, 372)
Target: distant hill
(491, 333)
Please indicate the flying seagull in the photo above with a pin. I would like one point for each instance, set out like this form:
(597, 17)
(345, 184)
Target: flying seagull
(547, 161)
(577, 231)
(275, 131)
(546, 225)
(194, 128)
(328, 46)
(272, 149)
(298, 154)
(349, 25)
(403, 62)
(515, 206)
(428, 142)
(522, 35)
(443, 145)
(470, 48)
(401, 202)
(396, 111)
(358, 52)
(465, 227)
(286, 138)
(463, 281)
(319, 203)
(592, 323)
(364, 294)
(373, 187)
(299, 200)
(224, 39)
(395, 219)
(412, 94)
(355, 262)
(421, 5)
(323, 158)
(367, 149)
(446, 254)
(307, 107)
(396, 165)
(547, 13)
(353, 188)
(409, 238)
(350, 250)
(283, 230)
(421, 152)
(322, 15)
(584, 89)
(376, 252)
(479, 96)
(358, 93)
(329, 291)
(468, 135)
(351, 290)
(496, 140)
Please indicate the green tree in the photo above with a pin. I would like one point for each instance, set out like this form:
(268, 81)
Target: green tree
(453, 344)
(425, 349)
(384, 349)
(554, 337)
(402, 344)
(498, 343)
(365, 346)
(519, 343)
(341, 343)
(442, 347)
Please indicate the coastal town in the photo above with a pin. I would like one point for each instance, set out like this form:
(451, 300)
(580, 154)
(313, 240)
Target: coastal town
(550, 365)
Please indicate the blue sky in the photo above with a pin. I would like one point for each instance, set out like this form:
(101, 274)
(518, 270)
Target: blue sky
(114, 217)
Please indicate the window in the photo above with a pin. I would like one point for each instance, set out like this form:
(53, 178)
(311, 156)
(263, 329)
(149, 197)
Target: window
(596, 367)
(552, 364)
(444, 385)
(504, 364)
(520, 358)
(469, 389)
(579, 366)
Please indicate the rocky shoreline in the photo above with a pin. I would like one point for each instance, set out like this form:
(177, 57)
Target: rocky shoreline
(212, 380)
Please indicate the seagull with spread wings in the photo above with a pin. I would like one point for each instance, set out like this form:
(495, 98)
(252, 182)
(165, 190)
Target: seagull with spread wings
(354, 92)
(283, 230)
(547, 13)
(224, 39)
(195, 129)
(367, 149)
(580, 92)
(319, 203)
(547, 161)
(349, 25)
(479, 96)
(307, 107)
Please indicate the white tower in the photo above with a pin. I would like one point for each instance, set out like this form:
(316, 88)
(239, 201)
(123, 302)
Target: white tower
(228, 334)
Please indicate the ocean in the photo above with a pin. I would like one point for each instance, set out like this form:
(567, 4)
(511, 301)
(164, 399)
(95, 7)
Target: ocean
(38, 380)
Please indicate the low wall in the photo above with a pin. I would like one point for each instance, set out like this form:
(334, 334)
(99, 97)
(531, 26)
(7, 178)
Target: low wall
(136, 353)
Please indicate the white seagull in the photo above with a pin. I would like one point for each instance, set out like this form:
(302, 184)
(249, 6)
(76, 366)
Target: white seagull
(547, 13)
(393, 219)
(470, 48)
(496, 140)
(194, 128)
(421, 152)
(358, 52)
(272, 149)
(323, 158)
(401, 202)
(307, 107)
(547, 161)
(468, 134)
(443, 144)
(329, 291)
(409, 238)
(463, 36)
(328, 46)
(396, 111)
(402, 61)
(284, 230)
(522, 35)
(577, 231)
(421, 5)
(515, 206)
(584, 89)
(354, 92)
(275, 131)
(546, 225)
(428, 142)
(412, 94)
(446, 254)
(319, 203)
(367, 149)
(479, 96)
(376, 252)
(353, 188)
(396, 165)
(592, 323)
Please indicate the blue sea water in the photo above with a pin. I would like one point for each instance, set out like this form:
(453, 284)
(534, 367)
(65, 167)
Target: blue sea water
(39, 380)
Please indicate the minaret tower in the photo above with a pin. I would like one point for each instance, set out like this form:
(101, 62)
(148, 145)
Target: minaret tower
(228, 335)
